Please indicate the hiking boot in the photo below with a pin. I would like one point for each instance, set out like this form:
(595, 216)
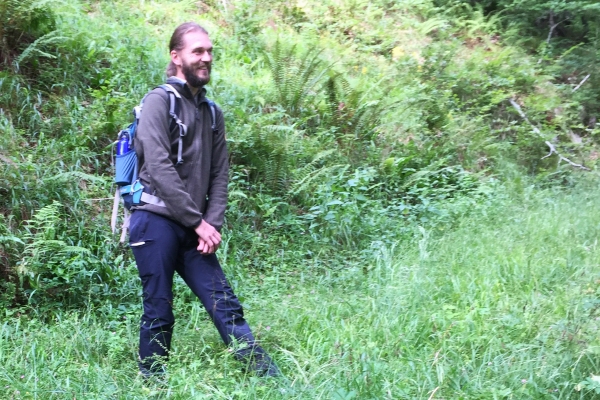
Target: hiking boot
(258, 361)
(156, 373)
(263, 366)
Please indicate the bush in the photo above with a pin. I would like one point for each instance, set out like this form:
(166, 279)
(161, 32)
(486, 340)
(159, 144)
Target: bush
(23, 23)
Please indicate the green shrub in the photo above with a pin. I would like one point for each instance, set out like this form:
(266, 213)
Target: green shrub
(24, 22)
(55, 268)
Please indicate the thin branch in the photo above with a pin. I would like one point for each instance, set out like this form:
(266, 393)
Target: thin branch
(522, 114)
(552, 27)
(99, 199)
(582, 82)
(552, 30)
(539, 133)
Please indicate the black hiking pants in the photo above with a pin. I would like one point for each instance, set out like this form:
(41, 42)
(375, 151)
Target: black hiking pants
(162, 247)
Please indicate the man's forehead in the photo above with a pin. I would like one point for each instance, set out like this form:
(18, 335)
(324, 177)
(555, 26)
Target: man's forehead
(196, 39)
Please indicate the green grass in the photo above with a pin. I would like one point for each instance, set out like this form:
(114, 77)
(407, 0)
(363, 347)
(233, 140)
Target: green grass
(501, 304)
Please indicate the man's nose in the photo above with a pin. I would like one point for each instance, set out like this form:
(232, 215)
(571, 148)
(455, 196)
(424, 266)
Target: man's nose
(206, 57)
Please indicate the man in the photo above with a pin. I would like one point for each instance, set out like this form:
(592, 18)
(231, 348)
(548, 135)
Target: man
(179, 231)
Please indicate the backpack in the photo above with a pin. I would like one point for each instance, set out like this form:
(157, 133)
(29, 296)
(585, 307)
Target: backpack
(130, 192)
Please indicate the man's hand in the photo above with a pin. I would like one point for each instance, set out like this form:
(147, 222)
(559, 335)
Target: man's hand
(209, 238)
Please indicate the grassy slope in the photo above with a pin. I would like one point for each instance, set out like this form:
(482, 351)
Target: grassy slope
(502, 306)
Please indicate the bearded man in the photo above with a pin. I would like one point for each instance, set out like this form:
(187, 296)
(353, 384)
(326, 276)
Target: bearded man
(187, 175)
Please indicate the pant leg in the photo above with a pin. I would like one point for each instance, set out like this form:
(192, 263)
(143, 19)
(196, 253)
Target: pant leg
(155, 242)
(205, 277)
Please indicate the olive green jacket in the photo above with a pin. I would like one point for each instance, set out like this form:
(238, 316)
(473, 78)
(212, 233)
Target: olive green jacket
(197, 188)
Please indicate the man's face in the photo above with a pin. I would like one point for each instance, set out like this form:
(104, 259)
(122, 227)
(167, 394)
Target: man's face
(195, 58)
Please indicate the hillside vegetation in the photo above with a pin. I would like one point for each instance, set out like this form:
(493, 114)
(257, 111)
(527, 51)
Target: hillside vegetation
(411, 205)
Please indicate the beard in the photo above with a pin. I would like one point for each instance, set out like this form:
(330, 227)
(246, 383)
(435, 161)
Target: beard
(192, 78)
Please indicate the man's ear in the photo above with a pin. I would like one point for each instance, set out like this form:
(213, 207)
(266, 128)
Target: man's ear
(175, 58)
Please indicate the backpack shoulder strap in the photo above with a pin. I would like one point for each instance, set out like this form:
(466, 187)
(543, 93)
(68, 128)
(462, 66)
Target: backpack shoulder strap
(213, 115)
(173, 96)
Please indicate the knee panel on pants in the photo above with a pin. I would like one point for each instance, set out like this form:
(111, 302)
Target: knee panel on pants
(158, 313)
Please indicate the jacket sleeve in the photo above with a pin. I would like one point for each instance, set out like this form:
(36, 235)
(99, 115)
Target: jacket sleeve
(153, 135)
(219, 176)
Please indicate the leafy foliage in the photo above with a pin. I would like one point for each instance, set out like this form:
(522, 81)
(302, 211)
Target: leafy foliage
(333, 122)
(295, 78)
(26, 23)
(50, 265)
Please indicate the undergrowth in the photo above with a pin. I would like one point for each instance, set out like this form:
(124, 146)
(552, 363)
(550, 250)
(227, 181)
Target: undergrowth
(501, 304)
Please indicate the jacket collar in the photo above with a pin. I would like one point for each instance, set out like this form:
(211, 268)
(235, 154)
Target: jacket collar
(181, 86)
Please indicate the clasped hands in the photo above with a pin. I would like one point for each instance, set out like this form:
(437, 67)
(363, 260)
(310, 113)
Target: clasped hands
(209, 238)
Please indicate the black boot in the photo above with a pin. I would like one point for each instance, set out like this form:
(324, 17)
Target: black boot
(258, 361)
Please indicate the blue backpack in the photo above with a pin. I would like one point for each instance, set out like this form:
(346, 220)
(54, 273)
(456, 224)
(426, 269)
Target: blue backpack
(130, 192)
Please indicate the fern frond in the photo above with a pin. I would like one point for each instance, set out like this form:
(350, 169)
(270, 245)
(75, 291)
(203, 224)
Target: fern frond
(6, 239)
(294, 77)
(43, 248)
(75, 175)
(308, 173)
(33, 50)
(303, 184)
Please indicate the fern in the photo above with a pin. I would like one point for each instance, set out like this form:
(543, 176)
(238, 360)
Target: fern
(294, 77)
(9, 245)
(4, 240)
(34, 49)
(432, 24)
(44, 250)
(71, 176)
(309, 173)
(279, 142)
(353, 114)
(23, 23)
(476, 23)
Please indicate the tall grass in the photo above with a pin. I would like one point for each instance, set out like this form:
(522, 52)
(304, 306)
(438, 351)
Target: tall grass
(501, 304)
